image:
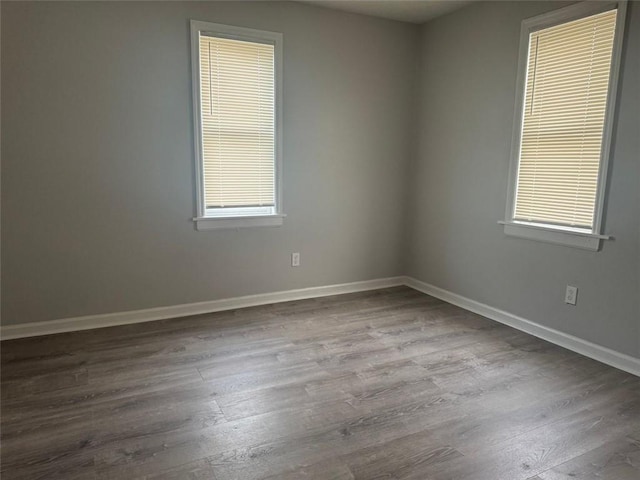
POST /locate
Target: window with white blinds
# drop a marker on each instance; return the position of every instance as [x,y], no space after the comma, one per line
[238,136]
[237,120]
[564,110]
[568,77]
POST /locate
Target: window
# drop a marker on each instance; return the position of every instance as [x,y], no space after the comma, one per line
[566,93]
[237,95]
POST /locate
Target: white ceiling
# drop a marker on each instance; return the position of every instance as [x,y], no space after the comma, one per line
[414,11]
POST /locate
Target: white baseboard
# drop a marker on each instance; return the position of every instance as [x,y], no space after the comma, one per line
[597,352]
[88,322]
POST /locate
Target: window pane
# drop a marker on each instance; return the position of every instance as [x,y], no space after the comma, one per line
[564,110]
[237,94]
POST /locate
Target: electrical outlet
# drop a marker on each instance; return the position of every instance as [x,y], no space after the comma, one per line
[571,295]
[295,259]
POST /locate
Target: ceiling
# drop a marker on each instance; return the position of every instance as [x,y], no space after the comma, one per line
[414,11]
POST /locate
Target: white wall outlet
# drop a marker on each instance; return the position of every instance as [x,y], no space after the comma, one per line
[295,259]
[571,295]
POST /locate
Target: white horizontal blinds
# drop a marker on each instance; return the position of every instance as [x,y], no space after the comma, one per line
[563,119]
[237,94]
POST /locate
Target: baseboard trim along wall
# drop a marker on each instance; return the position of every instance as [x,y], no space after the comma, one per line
[89,322]
[597,352]
[602,354]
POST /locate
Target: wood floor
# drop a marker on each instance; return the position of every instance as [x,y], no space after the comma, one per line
[390,384]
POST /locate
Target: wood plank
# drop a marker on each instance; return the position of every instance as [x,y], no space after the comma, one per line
[617,459]
[197,470]
[410,457]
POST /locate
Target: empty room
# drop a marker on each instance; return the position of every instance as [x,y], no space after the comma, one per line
[332,240]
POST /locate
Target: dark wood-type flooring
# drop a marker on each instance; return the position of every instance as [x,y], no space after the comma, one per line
[389,384]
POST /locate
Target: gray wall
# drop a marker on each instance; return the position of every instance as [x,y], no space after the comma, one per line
[97,156]
[469,60]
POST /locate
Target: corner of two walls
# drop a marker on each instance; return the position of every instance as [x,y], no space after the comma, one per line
[458,182]
[410,206]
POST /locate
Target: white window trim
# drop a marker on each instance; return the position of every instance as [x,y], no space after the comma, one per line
[585,239]
[207,218]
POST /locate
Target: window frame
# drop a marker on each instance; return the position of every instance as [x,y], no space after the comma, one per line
[550,233]
[239,217]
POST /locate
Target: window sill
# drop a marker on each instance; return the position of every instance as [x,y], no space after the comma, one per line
[558,236]
[218,223]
